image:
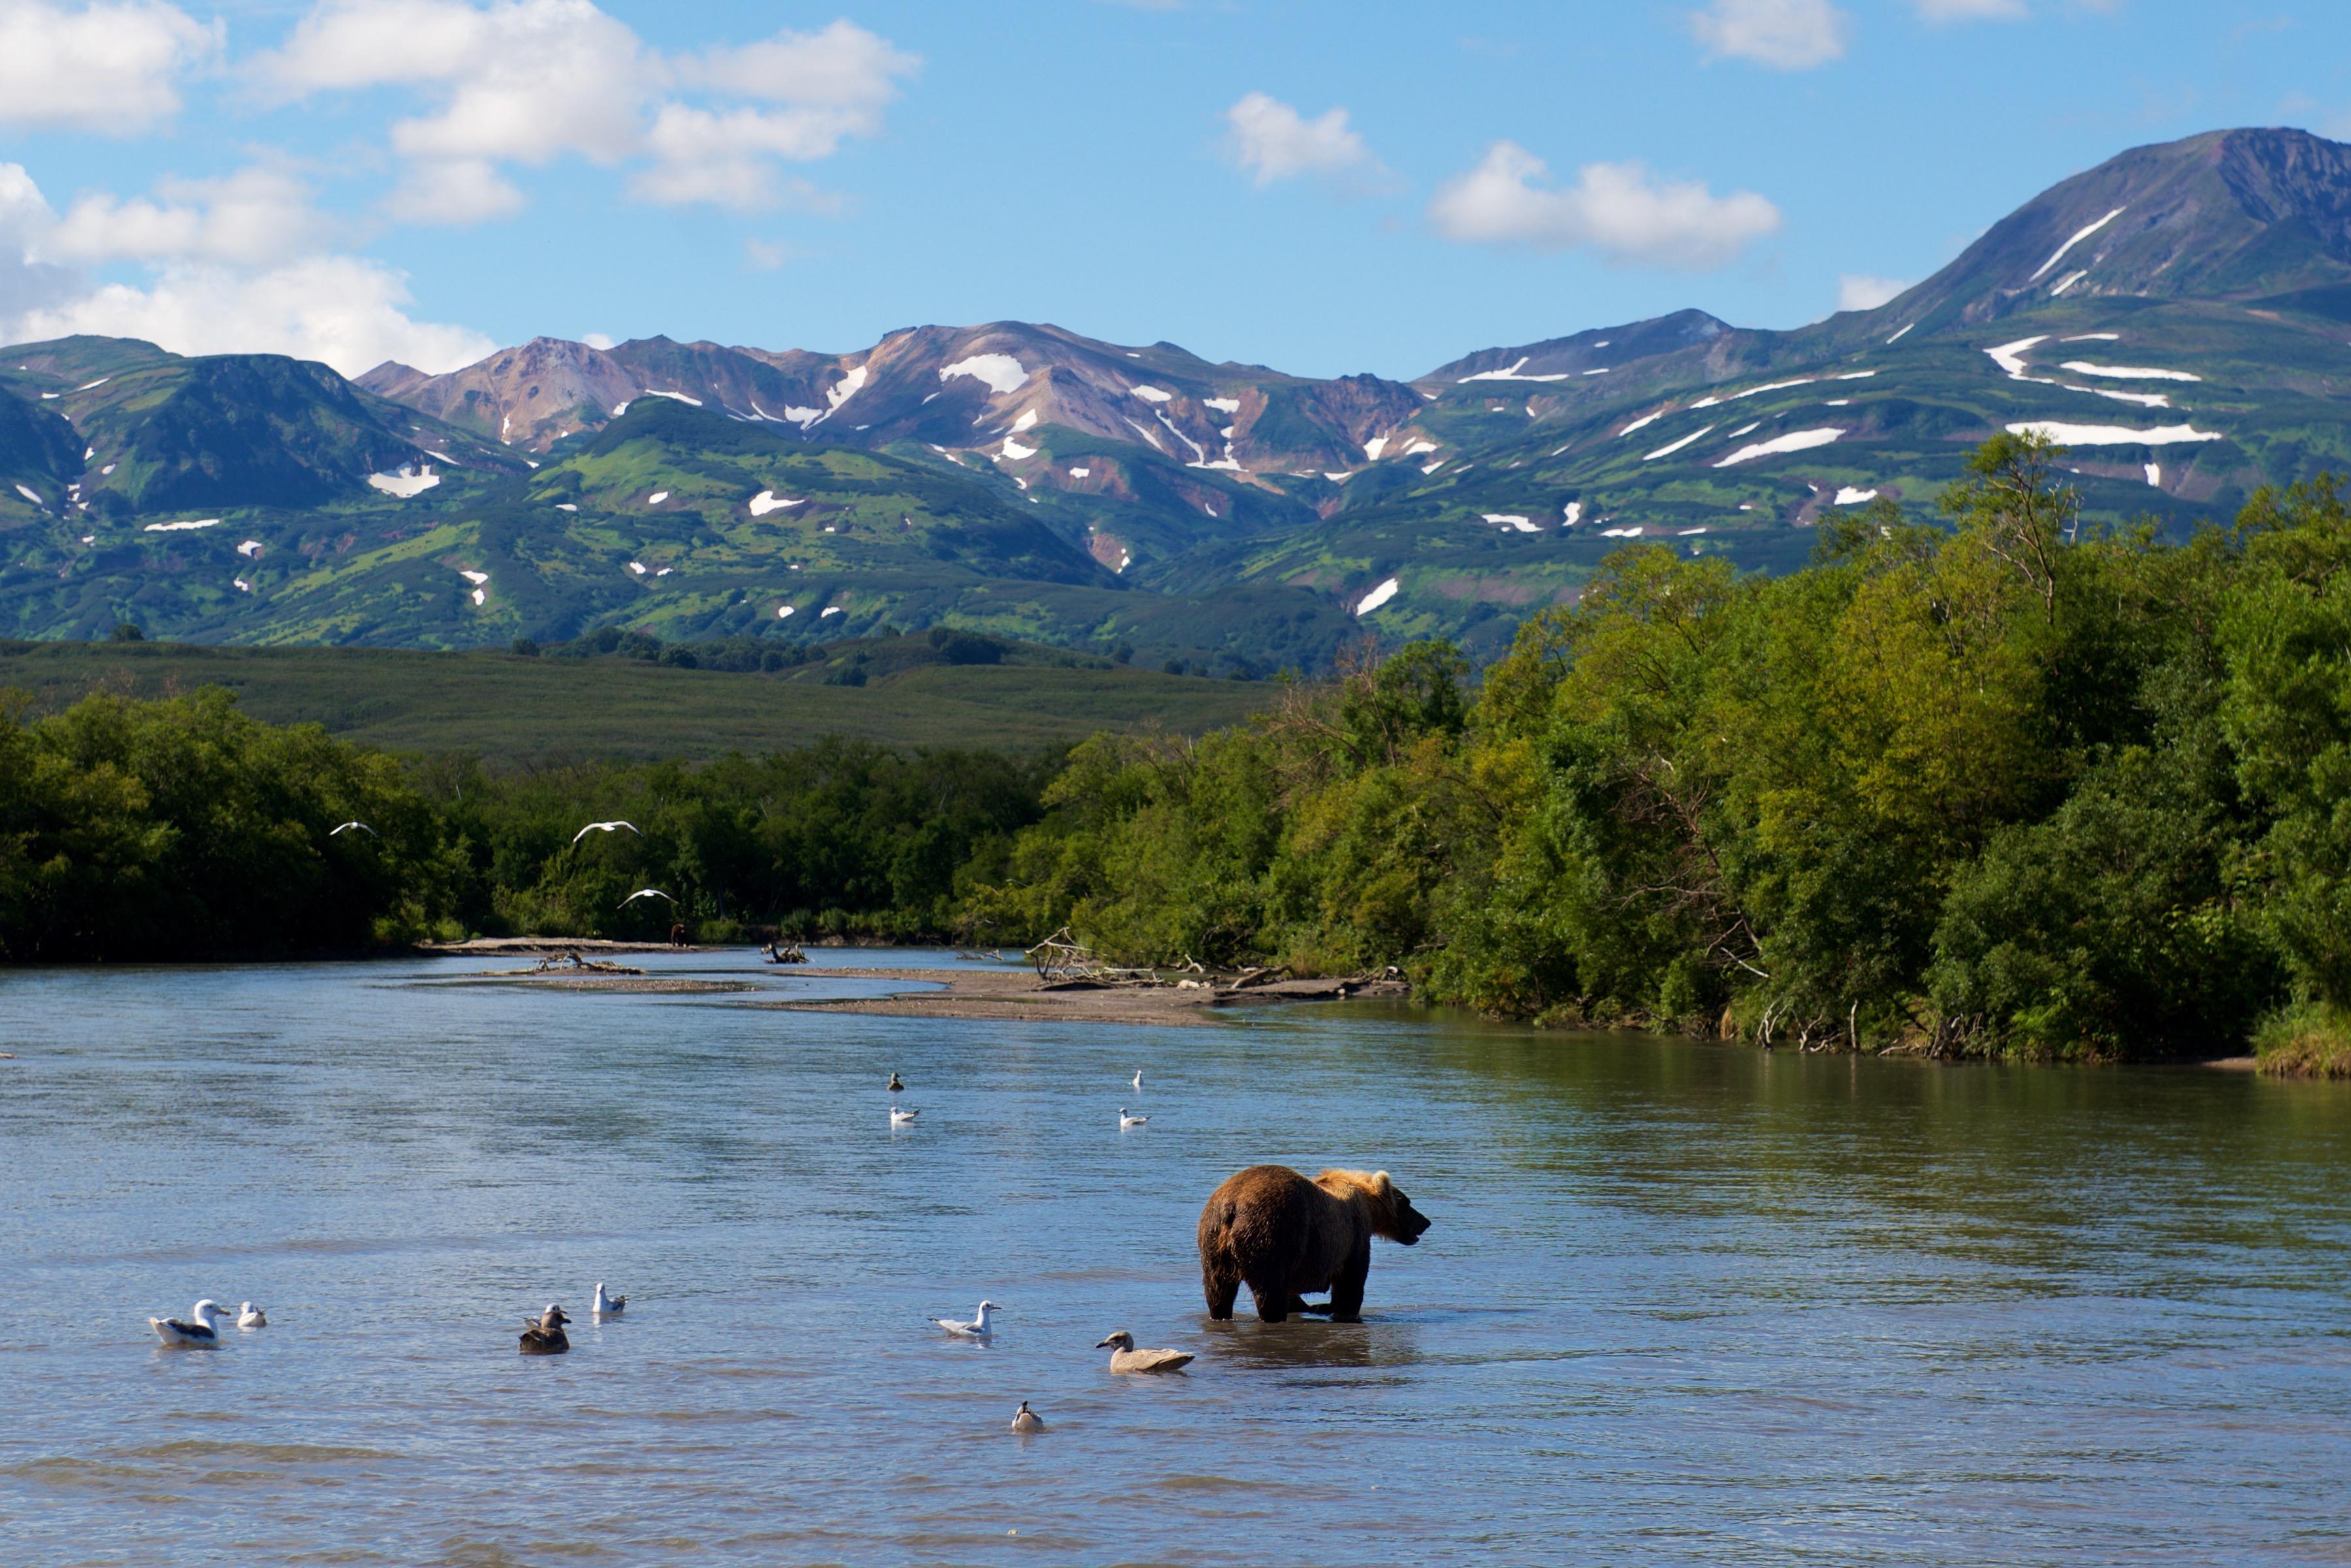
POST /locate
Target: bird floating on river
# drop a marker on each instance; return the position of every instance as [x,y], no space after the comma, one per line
[978,1328]
[1025,1420]
[249,1316]
[199,1333]
[1125,1121]
[545,1337]
[607,1306]
[1125,1357]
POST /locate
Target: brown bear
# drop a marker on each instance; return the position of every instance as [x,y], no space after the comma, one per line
[1271,1229]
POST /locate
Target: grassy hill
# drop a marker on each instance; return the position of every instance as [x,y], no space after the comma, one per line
[509,708]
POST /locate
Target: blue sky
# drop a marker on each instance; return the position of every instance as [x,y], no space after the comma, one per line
[1325,188]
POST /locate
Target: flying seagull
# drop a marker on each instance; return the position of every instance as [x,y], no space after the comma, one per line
[604,828]
[643,893]
[363,826]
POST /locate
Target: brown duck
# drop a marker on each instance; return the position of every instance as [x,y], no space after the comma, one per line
[545,1337]
[1125,1357]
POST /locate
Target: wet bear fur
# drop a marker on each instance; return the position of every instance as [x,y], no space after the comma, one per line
[1271,1229]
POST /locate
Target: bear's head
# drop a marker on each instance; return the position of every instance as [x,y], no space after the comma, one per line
[1391,1212]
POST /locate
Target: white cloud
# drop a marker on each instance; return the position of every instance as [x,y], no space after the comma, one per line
[218,282]
[840,67]
[110,66]
[1273,140]
[253,217]
[1786,34]
[1970,10]
[1860,291]
[528,81]
[453,190]
[345,310]
[1616,209]
[597,340]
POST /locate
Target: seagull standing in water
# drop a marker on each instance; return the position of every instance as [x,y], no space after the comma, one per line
[201,1333]
[978,1328]
[249,1316]
[1125,1121]
[607,1306]
[613,826]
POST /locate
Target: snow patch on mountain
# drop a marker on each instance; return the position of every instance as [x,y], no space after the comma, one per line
[1003,374]
[2111,434]
[1795,441]
[1375,597]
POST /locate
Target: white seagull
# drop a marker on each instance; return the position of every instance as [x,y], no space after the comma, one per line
[978,1328]
[607,1306]
[1125,1121]
[643,893]
[249,1316]
[363,826]
[172,1332]
[1025,1420]
[604,828]
[900,1118]
[1138,1079]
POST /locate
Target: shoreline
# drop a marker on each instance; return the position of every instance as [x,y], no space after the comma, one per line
[1020,996]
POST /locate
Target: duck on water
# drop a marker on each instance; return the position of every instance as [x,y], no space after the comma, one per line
[545,1337]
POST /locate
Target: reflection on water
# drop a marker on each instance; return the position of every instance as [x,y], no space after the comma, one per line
[1679,1303]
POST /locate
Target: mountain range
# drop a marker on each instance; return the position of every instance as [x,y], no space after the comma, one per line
[2176,317]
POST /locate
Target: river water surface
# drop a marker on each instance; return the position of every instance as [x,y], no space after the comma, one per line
[1680,1303]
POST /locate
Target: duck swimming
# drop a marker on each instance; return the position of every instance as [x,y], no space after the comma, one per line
[249,1316]
[1125,1357]
[201,1333]
[1025,1420]
[978,1328]
[545,1337]
[607,1306]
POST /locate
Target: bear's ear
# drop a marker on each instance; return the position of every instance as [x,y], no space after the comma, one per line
[1381,1184]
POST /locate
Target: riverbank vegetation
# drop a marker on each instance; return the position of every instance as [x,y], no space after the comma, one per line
[1990,784]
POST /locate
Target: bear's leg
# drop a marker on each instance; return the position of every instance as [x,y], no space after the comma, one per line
[1347,1285]
[1273,1298]
[1220,1287]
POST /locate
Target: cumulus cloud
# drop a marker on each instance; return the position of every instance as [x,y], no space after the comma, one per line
[253,217]
[110,66]
[343,310]
[453,190]
[1271,142]
[1860,291]
[1617,209]
[1786,34]
[223,273]
[528,81]
[1970,10]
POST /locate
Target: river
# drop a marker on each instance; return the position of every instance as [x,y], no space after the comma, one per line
[1681,1303]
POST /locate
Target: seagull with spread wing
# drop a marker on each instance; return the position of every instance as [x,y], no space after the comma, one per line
[363,826]
[613,826]
[643,893]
